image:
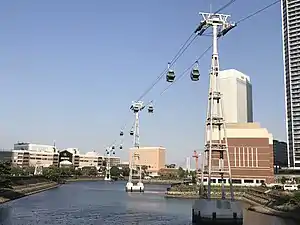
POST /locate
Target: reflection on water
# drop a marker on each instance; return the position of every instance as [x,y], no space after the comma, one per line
[5,212]
[100,203]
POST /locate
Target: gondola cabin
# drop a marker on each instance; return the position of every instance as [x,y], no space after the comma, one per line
[135,109]
[150,109]
[195,74]
[170,77]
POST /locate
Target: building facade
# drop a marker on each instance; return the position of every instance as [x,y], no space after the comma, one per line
[250,153]
[280,153]
[152,157]
[69,157]
[236,90]
[31,155]
[73,157]
[291,54]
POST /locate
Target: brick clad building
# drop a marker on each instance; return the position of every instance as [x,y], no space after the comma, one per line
[250,152]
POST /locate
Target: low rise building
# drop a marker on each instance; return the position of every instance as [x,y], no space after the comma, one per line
[31,155]
[250,152]
[151,157]
[89,159]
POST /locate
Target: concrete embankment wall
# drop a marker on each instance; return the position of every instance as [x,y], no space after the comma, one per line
[25,190]
[258,202]
[195,194]
[154,181]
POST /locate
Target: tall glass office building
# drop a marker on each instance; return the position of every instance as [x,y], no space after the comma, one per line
[291,53]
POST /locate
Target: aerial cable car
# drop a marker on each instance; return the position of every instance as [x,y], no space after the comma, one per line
[150,108]
[170,77]
[121,133]
[195,74]
[131,132]
[121,147]
[113,147]
[135,108]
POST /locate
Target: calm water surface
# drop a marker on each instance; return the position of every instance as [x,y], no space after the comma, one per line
[89,203]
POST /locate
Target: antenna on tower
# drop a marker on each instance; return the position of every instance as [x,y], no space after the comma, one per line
[216,138]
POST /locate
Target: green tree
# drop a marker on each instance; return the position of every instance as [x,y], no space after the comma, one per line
[89,171]
[52,173]
[77,172]
[115,171]
[5,173]
[93,171]
[194,180]
[125,171]
[16,171]
[181,172]
[283,180]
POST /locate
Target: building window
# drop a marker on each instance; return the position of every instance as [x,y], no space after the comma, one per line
[235,156]
[252,157]
[248,157]
[244,164]
[220,181]
[256,157]
[248,181]
[236,181]
[239,157]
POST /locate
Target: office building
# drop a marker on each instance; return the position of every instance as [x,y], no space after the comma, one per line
[152,157]
[236,90]
[291,54]
[31,155]
[280,153]
[72,157]
[250,153]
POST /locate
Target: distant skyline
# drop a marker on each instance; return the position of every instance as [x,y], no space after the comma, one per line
[69,71]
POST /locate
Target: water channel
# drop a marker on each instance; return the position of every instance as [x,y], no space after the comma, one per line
[97,203]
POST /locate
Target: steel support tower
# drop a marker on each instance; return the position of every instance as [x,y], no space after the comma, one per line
[109,150]
[216,146]
[136,107]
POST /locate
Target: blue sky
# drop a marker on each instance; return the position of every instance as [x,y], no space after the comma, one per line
[70,69]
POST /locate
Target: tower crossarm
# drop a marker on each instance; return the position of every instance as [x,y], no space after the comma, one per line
[215,121]
[216,147]
[216,95]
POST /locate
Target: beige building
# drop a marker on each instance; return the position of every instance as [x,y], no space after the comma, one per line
[152,157]
[73,157]
[31,155]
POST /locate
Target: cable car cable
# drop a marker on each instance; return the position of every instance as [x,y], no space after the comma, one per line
[177,56]
[258,11]
[183,73]
[241,20]
[180,53]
